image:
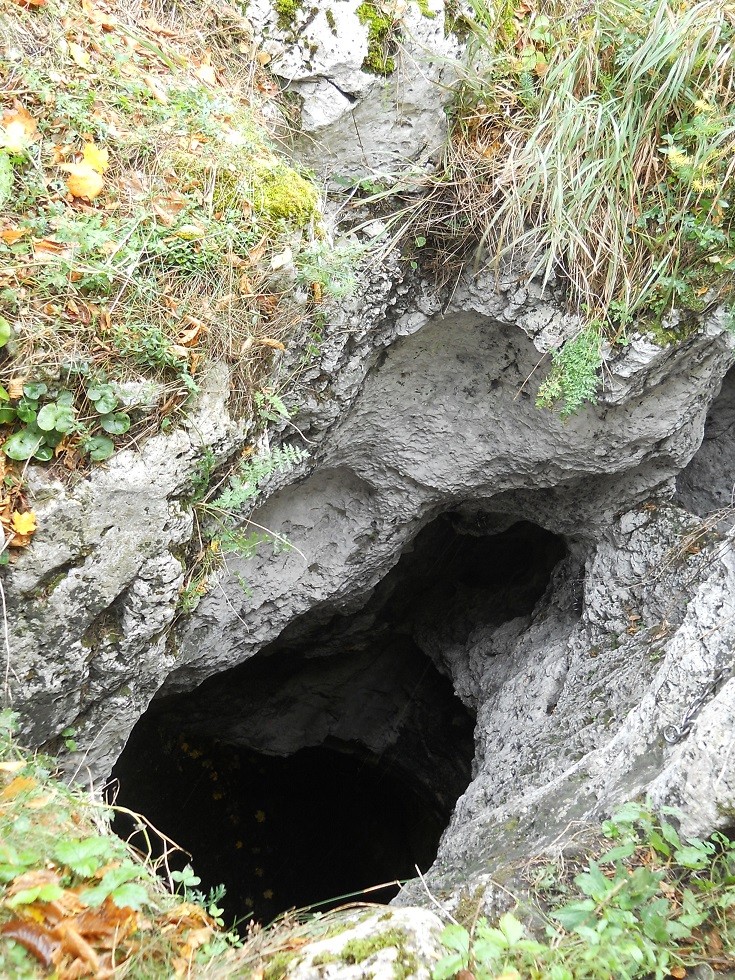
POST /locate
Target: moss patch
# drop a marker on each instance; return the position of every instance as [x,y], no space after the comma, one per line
[358,950]
[383,34]
[283,194]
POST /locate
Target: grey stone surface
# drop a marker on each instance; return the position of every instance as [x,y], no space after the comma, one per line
[352,123]
[414,412]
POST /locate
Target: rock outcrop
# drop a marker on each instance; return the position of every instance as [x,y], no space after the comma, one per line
[614,679]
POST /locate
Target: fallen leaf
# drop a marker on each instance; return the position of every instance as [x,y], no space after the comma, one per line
[30,3]
[15,387]
[206,73]
[283,259]
[36,938]
[187,338]
[79,55]
[83,180]
[97,157]
[105,21]
[24,523]
[18,129]
[270,342]
[156,89]
[21,784]
[12,235]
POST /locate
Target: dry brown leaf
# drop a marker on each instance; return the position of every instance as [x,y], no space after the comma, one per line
[105,21]
[245,286]
[15,387]
[32,936]
[32,879]
[270,342]
[155,87]
[83,180]
[73,943]
[187,338]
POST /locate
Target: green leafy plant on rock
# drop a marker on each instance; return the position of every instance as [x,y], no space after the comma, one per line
[651,905]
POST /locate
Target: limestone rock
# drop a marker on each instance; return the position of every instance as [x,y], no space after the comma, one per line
[352,122]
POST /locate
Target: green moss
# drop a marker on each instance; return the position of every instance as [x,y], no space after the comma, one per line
[425,9]
[358,950]
[382,39]
[287,11]
[331,22]
[277,966]
[670,336]
[324,959]
[280,193]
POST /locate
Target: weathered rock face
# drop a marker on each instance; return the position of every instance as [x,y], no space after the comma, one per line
[351,120]
[578,656]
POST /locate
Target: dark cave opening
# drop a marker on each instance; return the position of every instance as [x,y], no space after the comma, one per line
[331,762]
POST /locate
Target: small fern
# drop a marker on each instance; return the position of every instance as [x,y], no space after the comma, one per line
[574,377]
[245,484]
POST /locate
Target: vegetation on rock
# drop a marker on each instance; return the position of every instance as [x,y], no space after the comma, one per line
[595,144]
[144,210]
[654,904]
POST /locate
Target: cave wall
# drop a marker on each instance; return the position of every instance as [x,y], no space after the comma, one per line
[413,413]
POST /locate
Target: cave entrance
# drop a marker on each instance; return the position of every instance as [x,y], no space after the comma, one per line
[331,762]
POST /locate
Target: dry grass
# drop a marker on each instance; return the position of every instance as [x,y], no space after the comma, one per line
[171,265]
[598,142]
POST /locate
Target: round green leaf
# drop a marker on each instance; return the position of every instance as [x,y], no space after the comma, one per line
[106,403]
[64,420]
[7,415]
[65,398]
[4,396]
[46,418]
[116,424]
[23,444]
[99,448]
[53,438]
[6,331]
[97,391]
[27,410]
[34,390]
[44,453]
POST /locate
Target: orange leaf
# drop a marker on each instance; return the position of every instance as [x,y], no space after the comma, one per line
[21,784]
[83,180]
[11,235]
[270,342]
[97,157]
[37,939]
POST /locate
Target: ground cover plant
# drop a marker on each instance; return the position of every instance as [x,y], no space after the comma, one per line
[649,903]
[75,901]
[148,226]
[595,143]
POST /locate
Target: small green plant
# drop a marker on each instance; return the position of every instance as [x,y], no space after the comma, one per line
[643,908]
[383,34]
[224,527]
[43,416]
[332,267]
[575,373]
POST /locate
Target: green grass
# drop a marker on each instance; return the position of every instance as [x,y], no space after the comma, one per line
[596,145]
